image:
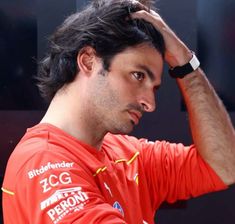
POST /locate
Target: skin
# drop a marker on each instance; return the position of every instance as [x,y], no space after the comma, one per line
[100,101]
[211,127]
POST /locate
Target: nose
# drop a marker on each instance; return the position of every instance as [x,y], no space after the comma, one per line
[148,102]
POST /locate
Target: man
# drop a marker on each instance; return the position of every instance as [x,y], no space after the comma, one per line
[100,76]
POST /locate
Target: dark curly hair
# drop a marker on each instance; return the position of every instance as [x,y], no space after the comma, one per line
[106,26]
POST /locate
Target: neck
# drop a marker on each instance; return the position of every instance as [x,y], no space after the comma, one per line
[75,121]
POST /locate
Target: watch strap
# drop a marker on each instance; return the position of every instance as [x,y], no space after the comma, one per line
[181,71]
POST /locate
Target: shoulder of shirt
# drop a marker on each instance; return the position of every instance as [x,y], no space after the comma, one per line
[122,145]
[127,140]
[34,147]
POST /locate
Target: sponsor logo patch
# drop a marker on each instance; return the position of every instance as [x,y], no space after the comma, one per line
[49,166]
[118,207]
[64,202]
[54,180]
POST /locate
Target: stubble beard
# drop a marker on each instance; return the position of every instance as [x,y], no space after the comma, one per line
[109,103]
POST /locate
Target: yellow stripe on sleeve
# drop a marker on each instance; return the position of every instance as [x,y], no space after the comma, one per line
[133,158]
[100,170]
[7,191]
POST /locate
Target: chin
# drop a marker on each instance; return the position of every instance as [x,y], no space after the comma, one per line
[124,129]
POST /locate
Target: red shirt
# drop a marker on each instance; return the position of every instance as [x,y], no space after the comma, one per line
[52,177]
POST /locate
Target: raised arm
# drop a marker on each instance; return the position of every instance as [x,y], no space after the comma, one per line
[211,127]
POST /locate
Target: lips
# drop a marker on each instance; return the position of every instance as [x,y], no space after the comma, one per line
[135,116]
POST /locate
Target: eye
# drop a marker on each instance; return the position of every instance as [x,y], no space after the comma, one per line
[138,76]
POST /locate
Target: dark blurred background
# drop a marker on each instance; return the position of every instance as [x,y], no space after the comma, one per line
[207,27]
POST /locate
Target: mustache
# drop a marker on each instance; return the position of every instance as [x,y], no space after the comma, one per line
[136,107]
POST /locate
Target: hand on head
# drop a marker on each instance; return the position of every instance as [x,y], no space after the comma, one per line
[176,52]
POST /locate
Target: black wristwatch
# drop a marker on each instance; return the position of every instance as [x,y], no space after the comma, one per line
[181,71]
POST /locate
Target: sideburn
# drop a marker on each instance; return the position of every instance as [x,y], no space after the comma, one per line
[103,72]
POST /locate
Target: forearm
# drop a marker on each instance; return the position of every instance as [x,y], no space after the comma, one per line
[212,130]
[211,127]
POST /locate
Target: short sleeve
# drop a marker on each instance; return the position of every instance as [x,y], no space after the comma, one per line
[59,190]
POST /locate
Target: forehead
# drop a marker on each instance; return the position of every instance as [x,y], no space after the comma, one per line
[140,56]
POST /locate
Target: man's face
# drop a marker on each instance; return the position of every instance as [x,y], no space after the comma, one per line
[120,96]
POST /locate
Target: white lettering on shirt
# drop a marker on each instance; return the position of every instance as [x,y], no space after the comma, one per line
[66,201]
[54,180]
[36,172]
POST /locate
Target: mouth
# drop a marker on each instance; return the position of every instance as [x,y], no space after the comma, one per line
[135,116]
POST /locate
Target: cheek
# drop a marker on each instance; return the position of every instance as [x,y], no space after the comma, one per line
[121,94]
[124,88]
[107,97]
[113,92]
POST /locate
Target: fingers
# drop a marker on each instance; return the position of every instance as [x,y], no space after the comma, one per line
[175,48]
[139,14]
[151,17]
[143,7]
[144,14]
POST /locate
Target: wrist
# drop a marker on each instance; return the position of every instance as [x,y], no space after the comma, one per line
[181,56]
[181,71]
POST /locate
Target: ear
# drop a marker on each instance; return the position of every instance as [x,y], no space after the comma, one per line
[86,59]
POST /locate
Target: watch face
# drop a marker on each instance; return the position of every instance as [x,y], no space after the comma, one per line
[194,62]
